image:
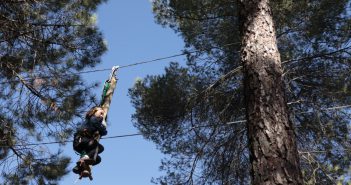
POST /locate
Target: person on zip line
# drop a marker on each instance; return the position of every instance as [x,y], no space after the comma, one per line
[87,136]
[86,141]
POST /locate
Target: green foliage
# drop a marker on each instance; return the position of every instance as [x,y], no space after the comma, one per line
[45,171]
[43,44]
[168,95]
[192,126]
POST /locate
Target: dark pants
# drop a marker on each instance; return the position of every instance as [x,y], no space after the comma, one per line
[82,144]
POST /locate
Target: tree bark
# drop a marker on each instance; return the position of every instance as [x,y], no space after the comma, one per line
[273,152]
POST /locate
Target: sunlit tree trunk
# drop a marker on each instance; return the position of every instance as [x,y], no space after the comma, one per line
[274,157]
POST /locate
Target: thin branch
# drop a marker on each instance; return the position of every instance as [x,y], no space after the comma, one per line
[190,178]
[319,151]
[16,153]
[45,100]
[203,19]
[207,91]
[223,79]
[316,56]
[328,108]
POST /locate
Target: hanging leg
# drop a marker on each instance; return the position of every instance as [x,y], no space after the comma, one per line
[97,148]
[85,163]
[86,171]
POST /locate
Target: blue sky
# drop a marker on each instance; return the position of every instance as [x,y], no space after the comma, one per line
[132,36]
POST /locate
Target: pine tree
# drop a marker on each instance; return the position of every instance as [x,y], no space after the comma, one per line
[273,152]
[43,47]
[196,114]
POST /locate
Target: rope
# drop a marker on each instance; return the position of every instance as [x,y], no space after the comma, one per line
[110,137]
[68,141]
[129,65]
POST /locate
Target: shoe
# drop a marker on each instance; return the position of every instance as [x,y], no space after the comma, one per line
[85,173]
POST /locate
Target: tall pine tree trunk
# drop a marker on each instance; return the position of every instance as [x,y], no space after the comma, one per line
[274,157]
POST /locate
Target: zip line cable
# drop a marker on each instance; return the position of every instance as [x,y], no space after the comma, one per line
[138,134]
[69,141]
[130,65]
[109,137]
[163,58]
[99,70]
[132,135]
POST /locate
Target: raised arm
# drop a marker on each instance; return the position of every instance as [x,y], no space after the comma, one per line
[107,93]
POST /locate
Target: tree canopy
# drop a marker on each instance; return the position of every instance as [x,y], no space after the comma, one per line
[43,47]
[196,115]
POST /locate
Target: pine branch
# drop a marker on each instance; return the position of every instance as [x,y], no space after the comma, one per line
[317,55]
[45,100]
[207,91]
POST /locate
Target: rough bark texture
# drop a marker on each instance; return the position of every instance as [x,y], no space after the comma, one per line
[274,155]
